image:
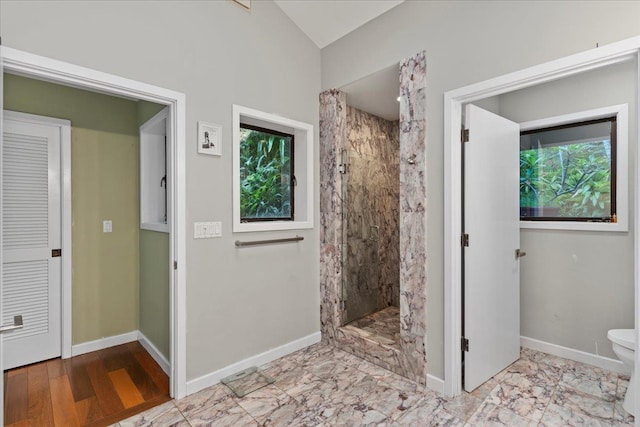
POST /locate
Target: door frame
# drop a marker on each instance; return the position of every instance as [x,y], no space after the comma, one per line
[43,68]
[614,53]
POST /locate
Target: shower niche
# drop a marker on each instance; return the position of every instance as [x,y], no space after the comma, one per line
[372,208]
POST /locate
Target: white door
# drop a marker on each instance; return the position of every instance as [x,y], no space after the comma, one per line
[491,268]
[31,233]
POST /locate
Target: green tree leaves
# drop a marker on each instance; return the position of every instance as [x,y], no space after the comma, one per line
[265,175]
[571,180]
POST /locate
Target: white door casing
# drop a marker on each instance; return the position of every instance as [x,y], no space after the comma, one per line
[31,212]
[491,268]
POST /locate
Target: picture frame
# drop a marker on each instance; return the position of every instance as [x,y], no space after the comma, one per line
[209,139]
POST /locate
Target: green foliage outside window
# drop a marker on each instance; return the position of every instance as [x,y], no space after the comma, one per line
[265,175]
[571,180]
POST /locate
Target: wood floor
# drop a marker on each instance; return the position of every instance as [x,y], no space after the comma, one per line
[94,389]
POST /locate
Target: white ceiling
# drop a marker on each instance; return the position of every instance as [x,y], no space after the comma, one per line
[377,93]
[325,21]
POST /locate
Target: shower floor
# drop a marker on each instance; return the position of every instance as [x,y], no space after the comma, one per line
[382,326]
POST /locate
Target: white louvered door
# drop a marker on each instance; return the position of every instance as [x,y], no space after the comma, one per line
[31,276]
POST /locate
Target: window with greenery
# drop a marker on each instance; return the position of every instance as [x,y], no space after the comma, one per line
[568,172]
[266,175]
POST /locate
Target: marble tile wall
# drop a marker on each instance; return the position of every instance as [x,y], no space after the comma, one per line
[410,359]
[371,202]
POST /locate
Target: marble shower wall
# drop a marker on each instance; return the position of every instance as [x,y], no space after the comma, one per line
[409,359]
[371,186]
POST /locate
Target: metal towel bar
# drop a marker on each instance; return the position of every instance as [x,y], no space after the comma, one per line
[268,242]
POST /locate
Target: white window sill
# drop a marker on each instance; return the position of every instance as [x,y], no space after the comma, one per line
[572,226]
[155,226]
[244,227]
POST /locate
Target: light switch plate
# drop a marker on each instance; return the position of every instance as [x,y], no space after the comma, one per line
[107,226]
[207,230]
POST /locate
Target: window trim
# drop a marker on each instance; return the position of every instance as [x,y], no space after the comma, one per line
[304,168]
[620,162]
[292,177]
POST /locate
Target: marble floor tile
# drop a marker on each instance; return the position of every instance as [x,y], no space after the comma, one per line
[560,416]
[485,389]
[524,398]
[603,387]
[426,413]
[214,406]
[620,416]
[489,414]
[591,380]
[388,400]
[549,359]
[580,404]
[325,386]
[260,403]
[621,389]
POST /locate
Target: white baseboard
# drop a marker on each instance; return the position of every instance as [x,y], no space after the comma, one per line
[155,353]
[102,343]
[435,383]
[214,378]
[575,355]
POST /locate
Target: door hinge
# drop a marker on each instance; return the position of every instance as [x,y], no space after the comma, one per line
[464,135]
[464,240]
[175,265]
[342,168]
[56,253]
[464,344]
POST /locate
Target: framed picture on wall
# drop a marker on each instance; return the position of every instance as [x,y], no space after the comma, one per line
[209,137]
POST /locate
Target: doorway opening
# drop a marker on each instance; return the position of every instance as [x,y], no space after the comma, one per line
[571,66]
[41,68]
[117,291]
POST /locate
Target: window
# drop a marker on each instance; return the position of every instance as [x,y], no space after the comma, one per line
[568,172]
[266,174]
[573,171]
[273,189]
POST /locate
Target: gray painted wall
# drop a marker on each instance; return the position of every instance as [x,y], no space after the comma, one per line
[240,302]
[467,42]
[576,285]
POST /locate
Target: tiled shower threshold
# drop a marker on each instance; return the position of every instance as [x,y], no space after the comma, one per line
[382,327]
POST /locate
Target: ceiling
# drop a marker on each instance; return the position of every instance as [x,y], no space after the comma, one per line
[325,21]
[377,93]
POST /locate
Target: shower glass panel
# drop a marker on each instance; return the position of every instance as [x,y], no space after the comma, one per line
[361,239]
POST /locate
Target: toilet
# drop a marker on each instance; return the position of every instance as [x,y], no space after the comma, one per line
[624,344]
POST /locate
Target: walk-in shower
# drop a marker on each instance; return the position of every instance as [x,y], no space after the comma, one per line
[370,224]
[373,217]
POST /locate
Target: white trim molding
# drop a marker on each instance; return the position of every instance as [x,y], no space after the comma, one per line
[154,353]
[214,378]
[303,169]
[592,59]
[102,343]
[27,64]
[435,383]
[607,363]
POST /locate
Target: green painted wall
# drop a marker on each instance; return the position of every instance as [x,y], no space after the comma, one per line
[104,180]
[154,270]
